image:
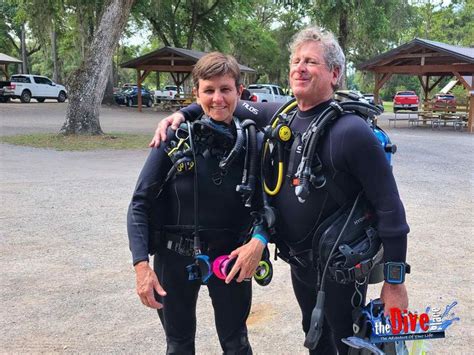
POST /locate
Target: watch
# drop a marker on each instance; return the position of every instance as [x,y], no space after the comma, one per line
[394,272]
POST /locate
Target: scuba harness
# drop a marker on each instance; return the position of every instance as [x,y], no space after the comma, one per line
[347,243]
[207,138]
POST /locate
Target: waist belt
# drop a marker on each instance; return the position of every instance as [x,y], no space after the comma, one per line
[182,241]
[182,245]
[360,272]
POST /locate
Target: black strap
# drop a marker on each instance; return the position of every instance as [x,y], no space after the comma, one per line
[291,161]
[335,191]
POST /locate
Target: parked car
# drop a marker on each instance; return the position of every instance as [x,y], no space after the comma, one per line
[405,100]
[129,97]
[444,102]
[26,86]
[4,98]
[168,92]
[371,99]
[268,93]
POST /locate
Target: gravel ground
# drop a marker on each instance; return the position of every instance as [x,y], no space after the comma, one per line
[67,282]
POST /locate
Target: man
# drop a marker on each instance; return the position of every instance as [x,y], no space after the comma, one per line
[354,160]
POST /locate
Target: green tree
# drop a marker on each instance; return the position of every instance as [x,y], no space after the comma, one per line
[182,23]
[444,22]
[17,33]
[363,28]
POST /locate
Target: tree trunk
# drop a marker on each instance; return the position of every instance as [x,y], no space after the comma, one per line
[54,55]
[24,56]
[109,88]
[88,84]
[343,34]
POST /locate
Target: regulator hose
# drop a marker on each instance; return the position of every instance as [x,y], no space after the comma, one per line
[285,109]
[239,143]
[249,178]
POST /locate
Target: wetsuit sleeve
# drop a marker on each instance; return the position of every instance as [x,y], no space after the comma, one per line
[365,159]
[139,217]
[261,112]
[191,112]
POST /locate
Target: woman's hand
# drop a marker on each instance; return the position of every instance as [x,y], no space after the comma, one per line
[147,282]
[248,256]
[173,120]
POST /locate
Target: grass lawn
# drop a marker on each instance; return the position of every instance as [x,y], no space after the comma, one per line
[80,143]
[388,106]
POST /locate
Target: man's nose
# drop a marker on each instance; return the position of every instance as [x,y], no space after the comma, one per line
[301,66]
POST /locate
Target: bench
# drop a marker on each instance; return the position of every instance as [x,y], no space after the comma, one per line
[412,116]
[175,104]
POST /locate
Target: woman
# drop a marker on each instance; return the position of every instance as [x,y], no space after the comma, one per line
[187,192]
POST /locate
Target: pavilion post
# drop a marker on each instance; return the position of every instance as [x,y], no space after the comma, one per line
[139,92]
[380,80]
[470,119]
[470,91]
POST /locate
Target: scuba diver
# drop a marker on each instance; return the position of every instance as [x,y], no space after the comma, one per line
[192,208]
[329,165]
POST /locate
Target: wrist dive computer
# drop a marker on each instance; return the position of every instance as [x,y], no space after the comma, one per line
[394,272]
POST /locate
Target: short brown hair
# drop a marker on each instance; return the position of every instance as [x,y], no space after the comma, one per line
[216,64]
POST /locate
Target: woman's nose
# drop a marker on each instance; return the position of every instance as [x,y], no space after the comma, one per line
[217,97]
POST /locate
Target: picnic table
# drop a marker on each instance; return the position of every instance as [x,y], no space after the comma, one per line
[175,104]
[439,119]
[403,116]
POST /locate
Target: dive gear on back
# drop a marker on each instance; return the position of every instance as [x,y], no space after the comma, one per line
[307,172]
[357,251]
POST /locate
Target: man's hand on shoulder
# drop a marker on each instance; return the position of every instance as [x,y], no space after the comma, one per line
[173,120]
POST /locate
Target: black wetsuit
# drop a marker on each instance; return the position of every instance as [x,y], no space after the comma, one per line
[352,156]
[223,222]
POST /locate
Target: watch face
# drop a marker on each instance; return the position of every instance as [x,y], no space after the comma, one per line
[395,272]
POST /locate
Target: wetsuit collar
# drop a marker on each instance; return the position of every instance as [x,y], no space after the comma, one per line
[315,111]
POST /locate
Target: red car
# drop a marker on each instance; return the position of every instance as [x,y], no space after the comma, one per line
[405,100]
[444,102]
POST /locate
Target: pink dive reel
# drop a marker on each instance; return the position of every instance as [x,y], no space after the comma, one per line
[222,265]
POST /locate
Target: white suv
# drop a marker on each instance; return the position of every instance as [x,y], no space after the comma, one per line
[25,87]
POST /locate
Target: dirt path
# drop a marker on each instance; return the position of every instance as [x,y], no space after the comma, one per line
[67,282]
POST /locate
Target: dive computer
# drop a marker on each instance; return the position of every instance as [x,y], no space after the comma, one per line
[394,272]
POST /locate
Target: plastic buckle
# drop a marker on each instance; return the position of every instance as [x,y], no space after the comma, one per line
[185,247]
[340,276]
[193,272]
[362,269]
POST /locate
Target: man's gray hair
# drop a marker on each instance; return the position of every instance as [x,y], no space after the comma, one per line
[333,54]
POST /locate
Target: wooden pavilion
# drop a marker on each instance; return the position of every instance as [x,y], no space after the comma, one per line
[4,61]
[426,59]
[179,62]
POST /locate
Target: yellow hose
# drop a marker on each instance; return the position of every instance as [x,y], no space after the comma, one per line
[277,188]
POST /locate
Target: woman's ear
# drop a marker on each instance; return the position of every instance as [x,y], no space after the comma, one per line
[240,88]
[196,94]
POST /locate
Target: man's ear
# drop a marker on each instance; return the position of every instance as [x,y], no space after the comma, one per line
[196,94]
[336,72]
